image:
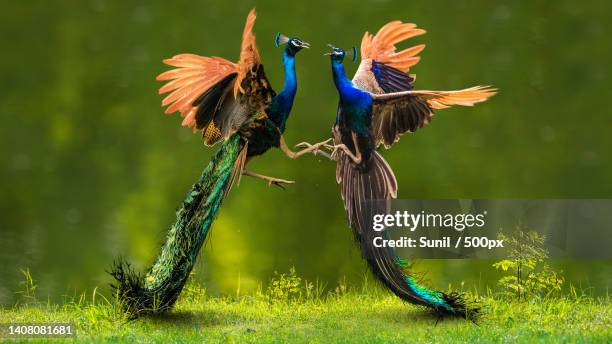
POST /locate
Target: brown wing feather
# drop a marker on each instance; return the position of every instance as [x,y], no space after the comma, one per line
[249,55]
[397,113]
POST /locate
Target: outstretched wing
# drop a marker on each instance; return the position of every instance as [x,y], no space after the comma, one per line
[193,76]
[216,96]
[397,113]
[397,108]
[382,68]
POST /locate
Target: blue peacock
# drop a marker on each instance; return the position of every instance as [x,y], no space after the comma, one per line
[377,106]
[231,103]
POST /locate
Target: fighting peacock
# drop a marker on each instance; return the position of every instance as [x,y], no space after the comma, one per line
[231,103]
[377,106]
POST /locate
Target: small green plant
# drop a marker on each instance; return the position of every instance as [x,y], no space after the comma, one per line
[28,288]
[285,287]
[342,288]
[530,275]
[193,292]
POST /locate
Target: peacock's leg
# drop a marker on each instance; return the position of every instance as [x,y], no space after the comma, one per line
[315,149]
[355,157]
[271,180]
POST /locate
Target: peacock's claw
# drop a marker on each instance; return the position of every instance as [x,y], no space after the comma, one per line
[279,182]
[315,148]
[342,147]
[271,180]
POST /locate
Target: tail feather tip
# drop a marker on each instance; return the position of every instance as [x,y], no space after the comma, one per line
[457,305]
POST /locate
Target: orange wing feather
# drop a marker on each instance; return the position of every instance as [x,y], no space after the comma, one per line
[195,74]
[249,55]
[465,97]
[381,47]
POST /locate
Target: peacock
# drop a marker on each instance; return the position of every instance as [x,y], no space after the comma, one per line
[376,107]
[231,103]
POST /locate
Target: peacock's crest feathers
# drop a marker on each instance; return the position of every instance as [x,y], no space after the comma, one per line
[351,54]
[280,39]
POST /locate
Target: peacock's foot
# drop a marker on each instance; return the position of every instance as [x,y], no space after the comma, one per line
[271,180]
[279,182]
[342,147]
[316,148]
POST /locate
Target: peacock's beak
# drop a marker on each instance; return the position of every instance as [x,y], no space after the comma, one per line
[306,45]
[331,52]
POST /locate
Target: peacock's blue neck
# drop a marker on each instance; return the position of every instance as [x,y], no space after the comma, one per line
[290,80]
[355,104]
[281,104]
[343,83]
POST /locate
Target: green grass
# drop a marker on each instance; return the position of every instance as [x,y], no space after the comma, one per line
[289,315]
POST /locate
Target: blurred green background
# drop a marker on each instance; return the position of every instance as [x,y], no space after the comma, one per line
[92,169]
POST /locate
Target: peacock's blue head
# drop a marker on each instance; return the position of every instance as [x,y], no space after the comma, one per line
[337,55]
[293,44]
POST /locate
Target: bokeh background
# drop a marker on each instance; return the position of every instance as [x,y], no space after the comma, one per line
[91,168]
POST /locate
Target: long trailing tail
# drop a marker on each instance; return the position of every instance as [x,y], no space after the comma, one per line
[365,192]
[159,289]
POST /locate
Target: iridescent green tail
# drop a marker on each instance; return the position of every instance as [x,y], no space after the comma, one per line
[366,192]
[159,289]
[394,273]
